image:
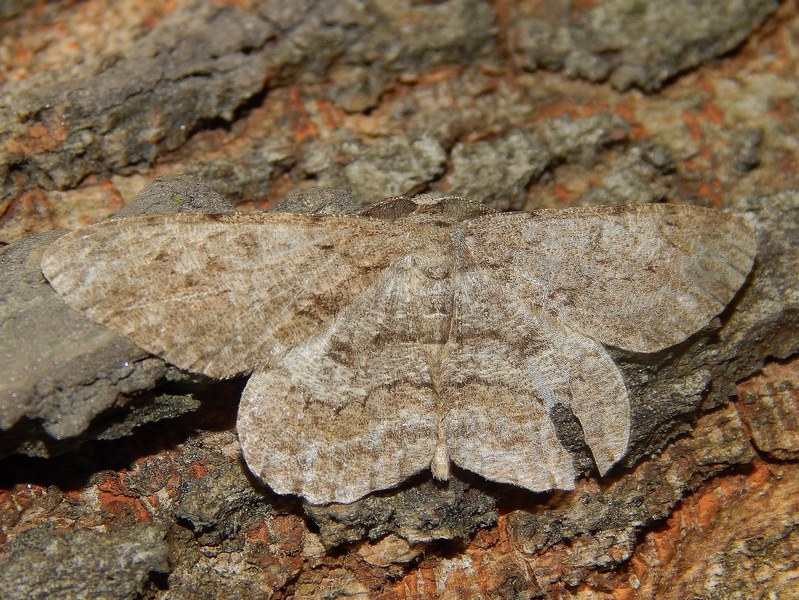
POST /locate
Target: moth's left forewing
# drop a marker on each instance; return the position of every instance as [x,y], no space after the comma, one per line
[640,277]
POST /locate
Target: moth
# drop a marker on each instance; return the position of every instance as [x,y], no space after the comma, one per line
[416,334]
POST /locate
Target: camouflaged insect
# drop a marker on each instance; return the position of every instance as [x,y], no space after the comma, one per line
[418,333]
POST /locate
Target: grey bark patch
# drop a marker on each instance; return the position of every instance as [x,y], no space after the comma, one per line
[45,563]
[391,166]
[641,44]
[392,38]
[200,62]
[635,178]
[423,513]
[772,414]
[499,170]
[216,506]
[248,172]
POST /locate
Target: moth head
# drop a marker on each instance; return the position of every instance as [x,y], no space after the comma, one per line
[451,208]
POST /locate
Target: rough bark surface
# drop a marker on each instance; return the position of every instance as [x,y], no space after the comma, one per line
[519,105]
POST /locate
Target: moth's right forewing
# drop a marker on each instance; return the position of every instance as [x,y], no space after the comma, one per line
[218,294]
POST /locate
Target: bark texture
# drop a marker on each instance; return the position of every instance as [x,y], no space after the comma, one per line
[519,105]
